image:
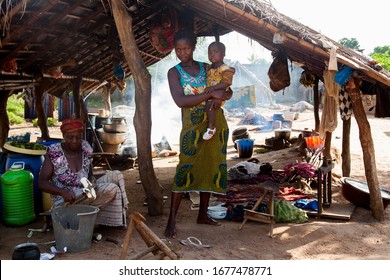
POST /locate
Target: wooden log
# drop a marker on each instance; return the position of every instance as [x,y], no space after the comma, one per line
[317,102]
[328,145]
[346,148]
[376,203]
[4,124]
[142,117]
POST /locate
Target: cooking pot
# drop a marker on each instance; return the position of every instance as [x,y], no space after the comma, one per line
[118,120]
[308,133]
[115,128]
[111,138]
[282,133]
[26,251]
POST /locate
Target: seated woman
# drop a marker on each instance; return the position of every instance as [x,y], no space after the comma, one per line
[64,166]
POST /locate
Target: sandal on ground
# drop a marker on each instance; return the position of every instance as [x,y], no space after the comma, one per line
[193,241]
[209,133]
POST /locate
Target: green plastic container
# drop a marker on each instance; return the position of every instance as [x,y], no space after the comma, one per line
[17,196]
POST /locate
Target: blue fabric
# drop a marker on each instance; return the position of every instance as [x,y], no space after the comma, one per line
[119,72]
[343,75]
[307,204]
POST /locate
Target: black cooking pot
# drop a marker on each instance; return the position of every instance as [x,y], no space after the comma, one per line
[239,133]
[26,251]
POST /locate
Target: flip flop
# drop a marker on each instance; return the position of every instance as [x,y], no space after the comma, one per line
[193,241]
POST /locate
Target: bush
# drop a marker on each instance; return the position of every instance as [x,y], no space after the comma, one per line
[14,118]
[50,122]
[15,109]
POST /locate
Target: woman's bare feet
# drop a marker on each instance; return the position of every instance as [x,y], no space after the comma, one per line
[170,231]
[208,221]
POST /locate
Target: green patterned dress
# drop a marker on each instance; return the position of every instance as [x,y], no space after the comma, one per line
[202,164]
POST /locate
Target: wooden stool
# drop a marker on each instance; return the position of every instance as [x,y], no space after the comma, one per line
[269,190]
[159,248]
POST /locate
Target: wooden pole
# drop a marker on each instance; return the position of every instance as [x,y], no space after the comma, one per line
[346,148]
[376,203]
[316,104]
[142,117]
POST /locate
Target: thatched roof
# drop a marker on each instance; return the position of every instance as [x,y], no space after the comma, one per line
[81,36]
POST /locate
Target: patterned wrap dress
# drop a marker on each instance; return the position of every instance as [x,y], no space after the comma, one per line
[202,164]
[110,188]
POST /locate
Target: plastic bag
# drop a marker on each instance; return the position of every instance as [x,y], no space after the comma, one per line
[285,212]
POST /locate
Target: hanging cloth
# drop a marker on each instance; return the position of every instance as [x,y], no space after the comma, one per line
[330,85]
[329,115]
[345,105]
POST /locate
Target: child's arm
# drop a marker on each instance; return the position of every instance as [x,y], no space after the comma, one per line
[221,85]
[227,80]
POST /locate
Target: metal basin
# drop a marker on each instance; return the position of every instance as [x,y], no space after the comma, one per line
[111,138]
[115,128]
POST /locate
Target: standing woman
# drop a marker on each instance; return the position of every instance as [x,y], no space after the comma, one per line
[202,164]
[67,163]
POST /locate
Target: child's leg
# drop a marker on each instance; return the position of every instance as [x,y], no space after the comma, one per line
[210,112]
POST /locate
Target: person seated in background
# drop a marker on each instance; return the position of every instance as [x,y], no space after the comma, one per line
[62,172]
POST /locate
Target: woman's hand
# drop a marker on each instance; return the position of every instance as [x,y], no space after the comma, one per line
[222,94]
[68,196]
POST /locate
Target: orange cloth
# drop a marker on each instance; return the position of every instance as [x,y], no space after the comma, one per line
[72,125]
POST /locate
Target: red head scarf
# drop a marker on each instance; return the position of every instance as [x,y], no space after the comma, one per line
[72,125]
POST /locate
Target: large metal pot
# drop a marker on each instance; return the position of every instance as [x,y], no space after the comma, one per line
[118,120]
[111,138]
[282,133]
[108,148]
[115,128]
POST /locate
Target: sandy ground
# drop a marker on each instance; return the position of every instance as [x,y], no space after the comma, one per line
[361,237]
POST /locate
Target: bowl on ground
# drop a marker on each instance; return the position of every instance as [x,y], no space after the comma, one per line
[217,212]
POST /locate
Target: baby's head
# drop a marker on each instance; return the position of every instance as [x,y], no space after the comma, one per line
[216,52]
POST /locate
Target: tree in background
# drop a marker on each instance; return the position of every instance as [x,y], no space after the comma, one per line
[382,55]
[255,59]
[351,43]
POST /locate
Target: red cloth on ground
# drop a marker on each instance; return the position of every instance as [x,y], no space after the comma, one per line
[291,194]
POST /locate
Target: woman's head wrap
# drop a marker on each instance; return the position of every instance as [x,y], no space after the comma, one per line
[72,125]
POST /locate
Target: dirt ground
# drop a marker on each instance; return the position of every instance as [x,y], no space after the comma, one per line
[360,238]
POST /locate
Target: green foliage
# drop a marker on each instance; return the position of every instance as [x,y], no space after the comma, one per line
[255,59]
[14,118]
[15,110]
[382,55]
[351,43]
[50,122]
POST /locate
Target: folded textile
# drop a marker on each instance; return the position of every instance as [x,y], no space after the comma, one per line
[343,75]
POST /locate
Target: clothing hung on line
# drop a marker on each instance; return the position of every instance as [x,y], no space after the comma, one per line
[202,164]
[110,188]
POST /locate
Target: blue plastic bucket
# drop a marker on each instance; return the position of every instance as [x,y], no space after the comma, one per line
[33,164]
[245,147]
